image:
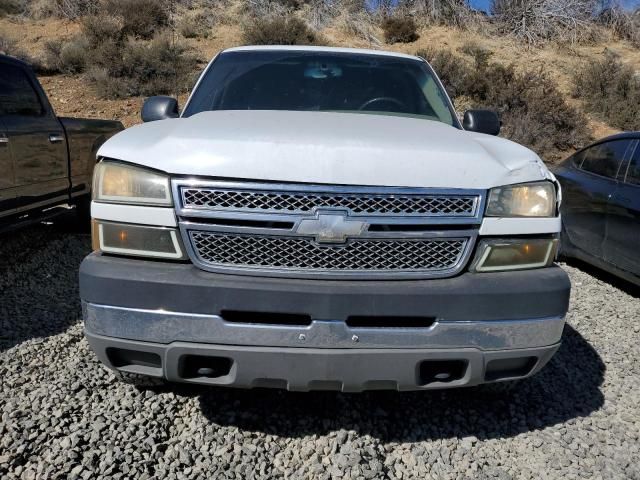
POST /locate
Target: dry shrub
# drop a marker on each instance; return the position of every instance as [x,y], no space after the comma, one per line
[71,9]
[140,18]
[623,23]
[454,13]
[320,13]
[400,29]
[40,9]
[351,6]
[195,25]
[292,4]
[360,24]
[67,57]
[264,8]
[531,107]
[11,7]
[287,30]
[99,29]
[145,68]
[118,59]
[610,90]
[536,21]
[8,46]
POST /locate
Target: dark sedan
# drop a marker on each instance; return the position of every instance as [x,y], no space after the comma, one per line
[601,205]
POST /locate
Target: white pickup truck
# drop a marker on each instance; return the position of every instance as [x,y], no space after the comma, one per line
[319,219]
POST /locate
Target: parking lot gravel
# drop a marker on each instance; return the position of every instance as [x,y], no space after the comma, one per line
[63,416]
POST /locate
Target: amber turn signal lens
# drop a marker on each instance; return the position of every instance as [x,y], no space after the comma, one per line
[496,255]
[95,240]
[137,240]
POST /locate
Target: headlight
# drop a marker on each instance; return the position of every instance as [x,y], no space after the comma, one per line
[121,183]
[496,255]
[523,200]
[138,240]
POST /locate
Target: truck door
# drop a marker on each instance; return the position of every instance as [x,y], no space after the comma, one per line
[6,175]
[36,140]
[623,221]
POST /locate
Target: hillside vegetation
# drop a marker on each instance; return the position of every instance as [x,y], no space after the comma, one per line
[558,74]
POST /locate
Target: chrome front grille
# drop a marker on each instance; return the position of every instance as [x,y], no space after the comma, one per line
[324,231]
[305,202]
[303,254]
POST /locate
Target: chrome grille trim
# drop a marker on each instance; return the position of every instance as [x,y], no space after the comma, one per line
[303,254]
[293,202]
[202,199]
[287,242]
[376,256]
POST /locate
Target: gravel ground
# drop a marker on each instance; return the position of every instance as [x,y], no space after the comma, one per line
[64,416]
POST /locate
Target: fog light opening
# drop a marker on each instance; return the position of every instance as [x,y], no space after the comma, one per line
[204,367]
[504,368]
[441,371]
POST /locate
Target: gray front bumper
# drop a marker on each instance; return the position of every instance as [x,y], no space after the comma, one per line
[172,312]
[304,369]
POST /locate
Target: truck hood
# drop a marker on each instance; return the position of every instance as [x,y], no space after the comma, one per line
[326,148]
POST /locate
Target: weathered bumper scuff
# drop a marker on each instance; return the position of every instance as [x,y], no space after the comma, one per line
[173,313]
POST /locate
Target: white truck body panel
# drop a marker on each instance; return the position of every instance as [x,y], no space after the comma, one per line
[326,148]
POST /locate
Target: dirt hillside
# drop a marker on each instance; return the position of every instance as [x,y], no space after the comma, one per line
[71,95]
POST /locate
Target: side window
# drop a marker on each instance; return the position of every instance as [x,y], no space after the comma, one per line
[578,158]
[605,159]
[633,174]
[17,95]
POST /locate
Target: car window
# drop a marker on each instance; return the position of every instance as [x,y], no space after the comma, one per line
[321,81]
[633,174]
[17,95]
[579,157]
[604,159]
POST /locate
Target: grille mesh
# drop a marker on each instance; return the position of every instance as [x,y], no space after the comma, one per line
[294,202]
[219,249]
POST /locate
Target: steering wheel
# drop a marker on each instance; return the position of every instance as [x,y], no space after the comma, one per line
[370,102]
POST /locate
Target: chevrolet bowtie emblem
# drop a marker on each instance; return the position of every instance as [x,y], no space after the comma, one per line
[330,227]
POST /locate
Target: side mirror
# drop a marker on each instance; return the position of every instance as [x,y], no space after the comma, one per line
[481,121]
[159,108]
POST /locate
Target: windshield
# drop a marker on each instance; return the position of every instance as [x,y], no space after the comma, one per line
[321,81]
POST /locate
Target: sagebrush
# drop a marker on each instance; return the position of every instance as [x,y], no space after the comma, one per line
[531,107]
[400,30]
[535,21]
[144,69]
[287,30]
[126,49]
[9,46]
[610,90]
[11,7]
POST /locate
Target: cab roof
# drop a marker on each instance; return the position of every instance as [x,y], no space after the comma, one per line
[305,48]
